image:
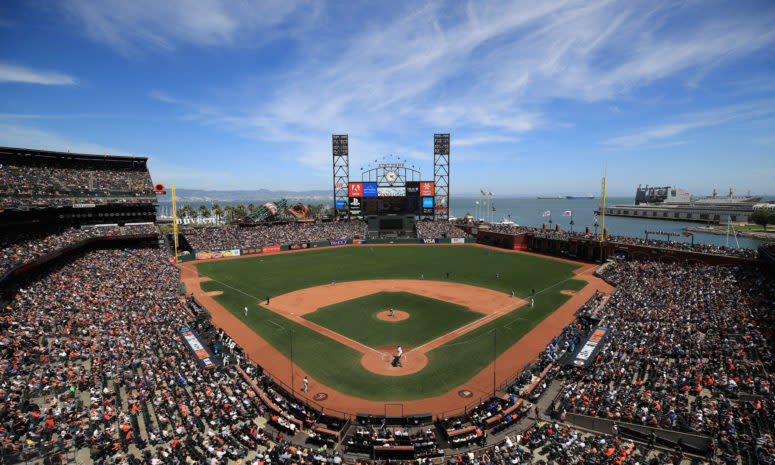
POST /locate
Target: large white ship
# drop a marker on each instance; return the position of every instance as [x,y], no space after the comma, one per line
[675,195]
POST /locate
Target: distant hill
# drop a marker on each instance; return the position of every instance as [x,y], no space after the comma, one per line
[200,195]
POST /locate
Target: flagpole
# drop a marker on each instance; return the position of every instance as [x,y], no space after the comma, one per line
[174,223]
[602,213]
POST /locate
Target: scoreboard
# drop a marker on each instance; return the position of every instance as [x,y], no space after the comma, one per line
[369,198]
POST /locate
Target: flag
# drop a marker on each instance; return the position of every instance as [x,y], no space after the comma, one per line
[688,234]
[567,213]
[490,193]
[547,213]
[595,217]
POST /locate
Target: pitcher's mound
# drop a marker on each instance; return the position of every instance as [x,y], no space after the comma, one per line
[379,361]
[398,315]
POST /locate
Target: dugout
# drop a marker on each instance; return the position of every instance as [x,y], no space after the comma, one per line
[398,225]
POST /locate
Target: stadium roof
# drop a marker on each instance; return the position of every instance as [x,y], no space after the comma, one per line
[68,155]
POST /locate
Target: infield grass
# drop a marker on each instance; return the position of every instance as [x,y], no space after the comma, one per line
[357,319]
[247,280]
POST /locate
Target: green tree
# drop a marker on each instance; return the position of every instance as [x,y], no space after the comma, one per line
[240,211]
[204,212]
[251,207]
[217,211]
[229,212]
[763,217]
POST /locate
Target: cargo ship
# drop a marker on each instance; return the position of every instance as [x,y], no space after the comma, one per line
[578,197]
[556,197]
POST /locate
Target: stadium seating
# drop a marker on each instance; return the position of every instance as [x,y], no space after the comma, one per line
[56,179]
[93,365]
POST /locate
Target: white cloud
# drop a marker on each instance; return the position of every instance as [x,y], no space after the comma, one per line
[150,25]
[691,121]
[15,73]
[493,68]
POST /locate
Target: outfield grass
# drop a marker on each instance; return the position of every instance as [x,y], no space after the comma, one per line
[245,281]
[357,319]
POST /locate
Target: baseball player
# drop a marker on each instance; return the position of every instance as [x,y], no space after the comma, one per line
[246,310]
[306,384]
[392,313]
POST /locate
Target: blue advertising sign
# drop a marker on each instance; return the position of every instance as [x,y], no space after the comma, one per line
[429,241]
[338,242]
[427,202]
[200,351]
[341,204]
[369,189]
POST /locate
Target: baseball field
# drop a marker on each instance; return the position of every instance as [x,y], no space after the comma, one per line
[457,311]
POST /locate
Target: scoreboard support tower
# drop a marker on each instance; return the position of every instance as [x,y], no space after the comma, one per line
[341,164]
[441,175]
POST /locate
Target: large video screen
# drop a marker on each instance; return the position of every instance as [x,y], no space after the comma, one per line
[384,205]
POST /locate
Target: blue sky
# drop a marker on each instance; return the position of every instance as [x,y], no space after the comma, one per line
[537,95]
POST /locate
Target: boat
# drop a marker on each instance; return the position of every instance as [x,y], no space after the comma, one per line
[507,222]
[557,197]
[579,197]
[672,195]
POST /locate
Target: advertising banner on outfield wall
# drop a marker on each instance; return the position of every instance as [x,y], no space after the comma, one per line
[338,242]
[201,352]
[303,245]
[520,246]
[429,241]
[271,248]
[250,251]
[359,241]
[221,254]
[585,353]
[457,240]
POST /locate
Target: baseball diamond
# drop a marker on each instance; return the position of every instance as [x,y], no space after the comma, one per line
[461,323]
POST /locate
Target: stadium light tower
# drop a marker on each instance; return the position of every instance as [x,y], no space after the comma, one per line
[441,175]
[341,164]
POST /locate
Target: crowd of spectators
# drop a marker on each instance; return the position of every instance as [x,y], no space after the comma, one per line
[547,442]
[92,360]
[26,183]
[234,237]
[18,248]
[685,342]
[438,230]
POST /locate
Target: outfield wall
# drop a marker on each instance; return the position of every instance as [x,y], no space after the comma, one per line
[267,249]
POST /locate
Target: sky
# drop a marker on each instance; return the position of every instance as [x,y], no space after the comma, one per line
[538,96]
